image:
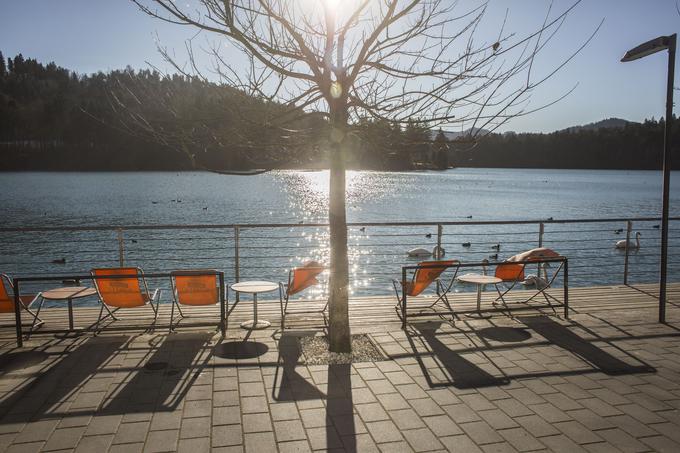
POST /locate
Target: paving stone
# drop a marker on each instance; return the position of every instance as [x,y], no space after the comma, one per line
[289,430]
[461,443]
[497,419]
[103,424]
[661,444]
[226,435]
[36,431]
[284,411]
[550,413]
[131,433]
[442,425]
[196,445]
[481,432]
[96,443]
[325,438]
[371,412]
[64,438]
[426,406]
[406,419]
[384,431]
[561,443]
[461,413]
[393,401]
[422,439]
[29,447]
[254,404]
[260,443]
[159,441]
[166,420]
[520,439]
[396,447]
[621,440]
[127,448]
[578,432]
[313,418]
[296,446]
[195,427]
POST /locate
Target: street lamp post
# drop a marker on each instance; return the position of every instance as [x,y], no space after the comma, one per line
[648,48]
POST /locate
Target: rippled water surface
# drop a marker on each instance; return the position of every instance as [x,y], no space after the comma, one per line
[376,253]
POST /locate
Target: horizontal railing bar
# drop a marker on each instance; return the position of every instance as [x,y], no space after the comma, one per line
[309,225]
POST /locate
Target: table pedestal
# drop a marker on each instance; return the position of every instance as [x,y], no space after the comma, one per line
[255,324]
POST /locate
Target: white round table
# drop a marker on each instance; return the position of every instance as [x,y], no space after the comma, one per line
[68,294]
[255,287]
[479,280]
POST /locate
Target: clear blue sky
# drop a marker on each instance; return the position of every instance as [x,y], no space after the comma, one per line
[94,35]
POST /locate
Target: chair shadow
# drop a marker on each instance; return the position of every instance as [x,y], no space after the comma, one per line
[292,386]
[48,386]
[461,373]
[160,380]
[561,336]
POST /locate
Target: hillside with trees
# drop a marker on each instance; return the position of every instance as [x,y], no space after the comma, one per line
[54,119]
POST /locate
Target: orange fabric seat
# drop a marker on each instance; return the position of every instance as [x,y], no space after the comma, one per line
[123,289]
[299,279]
[304,277]
[509,272]
[423,277]
[196,289]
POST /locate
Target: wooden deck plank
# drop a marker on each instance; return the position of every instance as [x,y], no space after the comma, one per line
[364,311]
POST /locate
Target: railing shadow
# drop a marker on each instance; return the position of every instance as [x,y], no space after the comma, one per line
[561,336]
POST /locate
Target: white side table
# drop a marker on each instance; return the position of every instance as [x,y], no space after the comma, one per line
[255,287]
[479,280]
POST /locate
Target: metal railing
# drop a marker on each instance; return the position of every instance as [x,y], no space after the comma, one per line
[377,250]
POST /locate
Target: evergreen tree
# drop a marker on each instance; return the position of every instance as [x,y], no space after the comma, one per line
[3,67]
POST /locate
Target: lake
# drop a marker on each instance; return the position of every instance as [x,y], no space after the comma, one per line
[376,253]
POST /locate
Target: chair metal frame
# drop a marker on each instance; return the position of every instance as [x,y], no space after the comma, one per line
[284,298]
[140,275]
[441,289]
[542,264]
[6,281]
[199,273]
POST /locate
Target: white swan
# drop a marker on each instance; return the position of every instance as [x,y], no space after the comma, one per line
[424,252]
[624,243]
[535,280]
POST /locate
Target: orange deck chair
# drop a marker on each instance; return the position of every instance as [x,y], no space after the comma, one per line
[7,301]
[299,279]
[423,278]
[513,272]
[197,287]
[124,291]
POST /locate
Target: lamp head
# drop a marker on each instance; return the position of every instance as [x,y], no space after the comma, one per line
[653,46]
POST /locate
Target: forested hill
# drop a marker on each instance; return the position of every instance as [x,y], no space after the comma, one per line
[633,146]
[54,119]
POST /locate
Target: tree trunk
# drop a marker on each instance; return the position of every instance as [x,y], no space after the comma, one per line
[339,333]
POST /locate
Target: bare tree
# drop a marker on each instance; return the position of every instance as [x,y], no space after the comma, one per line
[397,60]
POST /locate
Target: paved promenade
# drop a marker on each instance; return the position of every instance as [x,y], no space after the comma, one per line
[608,381]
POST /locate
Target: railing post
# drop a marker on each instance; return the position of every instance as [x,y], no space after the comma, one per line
[17,313]
[121,248]
[403,298]
[438,255]
[566,288]
[237,271]
[541,232]
[629,228]
[440,231]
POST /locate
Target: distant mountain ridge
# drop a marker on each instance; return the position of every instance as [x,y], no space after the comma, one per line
[608,123]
